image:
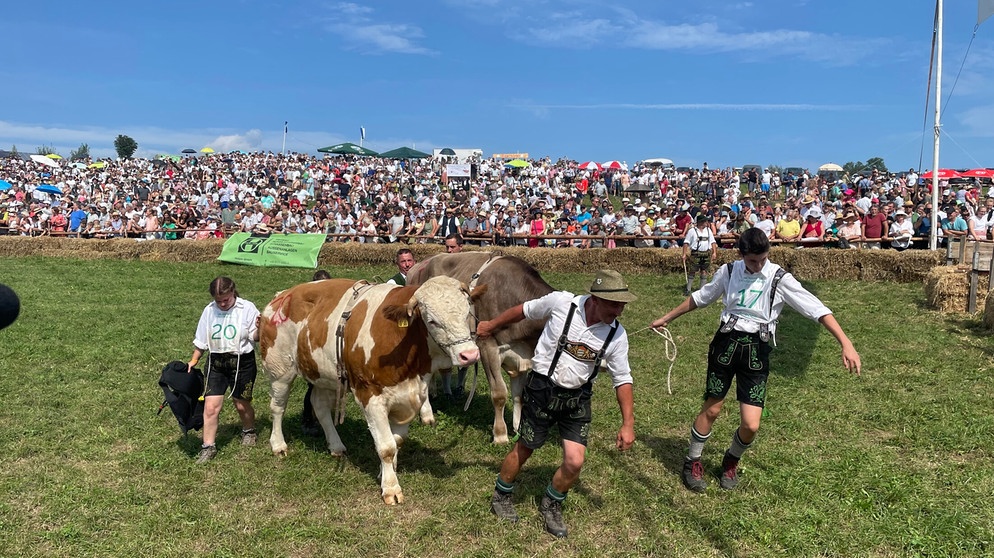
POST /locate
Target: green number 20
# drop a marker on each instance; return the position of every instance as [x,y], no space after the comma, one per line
[228,331]
[752,302]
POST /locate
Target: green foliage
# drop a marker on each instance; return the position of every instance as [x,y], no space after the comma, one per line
[775,169]
[873,163]
[125,146]
[13,152]
[82,153]
[893,463]
[45,150]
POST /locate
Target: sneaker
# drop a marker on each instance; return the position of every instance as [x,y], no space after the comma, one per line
[552,513]
[693,475]
[206,454]
[502,505]
[248,437]
[729,472]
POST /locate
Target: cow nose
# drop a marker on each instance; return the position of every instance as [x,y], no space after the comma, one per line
[469,357]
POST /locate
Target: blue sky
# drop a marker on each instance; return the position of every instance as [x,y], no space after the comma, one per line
[787,82]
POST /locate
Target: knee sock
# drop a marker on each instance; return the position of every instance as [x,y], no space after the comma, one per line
[554,494]
[503,487]
[738,447]
[697,441]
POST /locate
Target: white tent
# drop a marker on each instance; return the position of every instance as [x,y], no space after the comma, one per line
[659,161]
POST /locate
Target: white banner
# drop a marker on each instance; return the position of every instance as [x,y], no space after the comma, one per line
[457,171]
[985,9]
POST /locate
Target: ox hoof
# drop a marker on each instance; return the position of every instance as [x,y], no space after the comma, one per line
[393,499]
[279,452]
[337,452]
[501,440]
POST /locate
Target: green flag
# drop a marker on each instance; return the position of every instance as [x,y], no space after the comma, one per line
[278,250]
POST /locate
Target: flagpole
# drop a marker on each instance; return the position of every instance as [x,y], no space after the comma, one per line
[933,239]
[283,152]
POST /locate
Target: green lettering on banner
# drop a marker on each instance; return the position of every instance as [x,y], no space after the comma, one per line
[283,250]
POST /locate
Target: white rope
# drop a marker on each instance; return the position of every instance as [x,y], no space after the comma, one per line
[670,349]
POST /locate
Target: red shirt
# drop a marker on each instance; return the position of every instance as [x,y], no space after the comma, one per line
[874,225]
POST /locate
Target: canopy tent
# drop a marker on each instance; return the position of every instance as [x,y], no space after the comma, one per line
[978,173]
[348,149]
[404,153]
[828,167]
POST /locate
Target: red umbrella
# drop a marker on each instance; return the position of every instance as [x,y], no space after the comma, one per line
[943,174]
[590,165]
[613,165]
[978,173]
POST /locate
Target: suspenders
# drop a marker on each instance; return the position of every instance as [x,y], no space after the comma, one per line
[764,328]
[561,345]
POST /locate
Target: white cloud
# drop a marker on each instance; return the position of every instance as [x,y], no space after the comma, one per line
[361,31]
[695,106]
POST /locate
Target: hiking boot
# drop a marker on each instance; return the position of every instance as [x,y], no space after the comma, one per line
[502,505]
[206,454]
[729,472]
[693,475]
[552,513]
[248,437]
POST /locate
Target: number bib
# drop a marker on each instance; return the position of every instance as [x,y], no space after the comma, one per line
[225,331]
[749,297]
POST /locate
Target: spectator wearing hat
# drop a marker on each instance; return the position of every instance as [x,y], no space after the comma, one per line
[699,247]
[901,231]
[850,232]
[955,225]
[629,223]
[814,228]
[559,387]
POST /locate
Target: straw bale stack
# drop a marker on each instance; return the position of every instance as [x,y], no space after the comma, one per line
[947,289]
[808,263]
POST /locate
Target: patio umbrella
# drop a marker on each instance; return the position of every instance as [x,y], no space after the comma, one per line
[518,163]
[616,165]
[658,161]
[447,151]
[43,160]
[977,173]
[4,186]
[49,189]
[55,156]
[98,165]
[188,151]
[348,149]
[404,153]
[78,165]
[943,174]
[830,167]
[590,165]
[207,150]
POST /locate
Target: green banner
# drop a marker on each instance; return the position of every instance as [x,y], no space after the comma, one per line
[278,250]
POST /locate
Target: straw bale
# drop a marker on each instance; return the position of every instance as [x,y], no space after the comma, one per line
[947,289]
[807,263]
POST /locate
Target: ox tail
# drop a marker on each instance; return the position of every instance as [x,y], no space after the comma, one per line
[278,305]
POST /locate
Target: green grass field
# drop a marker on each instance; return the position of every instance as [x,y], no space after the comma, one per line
[897,462]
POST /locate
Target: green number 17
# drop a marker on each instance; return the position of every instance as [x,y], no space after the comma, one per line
[752,301]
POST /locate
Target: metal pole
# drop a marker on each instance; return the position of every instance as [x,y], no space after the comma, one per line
[933,238]
[283,151]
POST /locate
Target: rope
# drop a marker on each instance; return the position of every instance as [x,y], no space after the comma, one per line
[670,349]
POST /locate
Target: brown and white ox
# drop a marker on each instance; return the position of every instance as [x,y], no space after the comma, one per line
[511,281]
[391,341]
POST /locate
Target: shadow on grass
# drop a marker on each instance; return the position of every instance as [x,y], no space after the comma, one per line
[796,338]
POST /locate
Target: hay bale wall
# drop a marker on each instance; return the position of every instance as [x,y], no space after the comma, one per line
[809,263]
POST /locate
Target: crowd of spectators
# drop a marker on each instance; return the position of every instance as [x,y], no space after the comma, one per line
[551,204]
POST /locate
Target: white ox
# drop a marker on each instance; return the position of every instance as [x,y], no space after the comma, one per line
[391,341]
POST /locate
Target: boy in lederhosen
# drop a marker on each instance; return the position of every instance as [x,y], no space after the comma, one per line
[754,291]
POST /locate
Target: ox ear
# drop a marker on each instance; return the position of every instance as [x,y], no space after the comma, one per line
[400,313]
[478,292]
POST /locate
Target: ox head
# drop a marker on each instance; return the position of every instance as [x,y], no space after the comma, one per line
[445,305]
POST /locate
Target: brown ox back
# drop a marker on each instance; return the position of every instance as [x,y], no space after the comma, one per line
[511,281]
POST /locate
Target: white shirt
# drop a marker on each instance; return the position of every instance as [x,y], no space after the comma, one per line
[227,332]
[576,364]
[698,240]
[747,296]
